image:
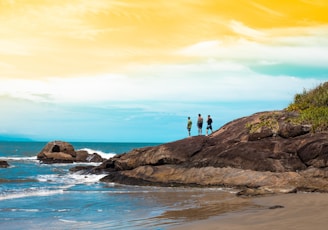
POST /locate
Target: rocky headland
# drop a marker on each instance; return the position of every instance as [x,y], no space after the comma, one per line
[268,152]
[259,154]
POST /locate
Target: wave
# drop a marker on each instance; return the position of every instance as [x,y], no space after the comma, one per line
[65,165]
[101,153]
[70,179]
[34,158]
[68,221]
[20,210]
[57,184]
[29,193]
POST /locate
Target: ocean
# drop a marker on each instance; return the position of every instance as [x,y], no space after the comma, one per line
[48,196]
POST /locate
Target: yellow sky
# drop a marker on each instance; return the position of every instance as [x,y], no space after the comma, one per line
[83,68]
[45,38]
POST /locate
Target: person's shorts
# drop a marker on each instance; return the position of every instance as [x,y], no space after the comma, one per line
[209,127]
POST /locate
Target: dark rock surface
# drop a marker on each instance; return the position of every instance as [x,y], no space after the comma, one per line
[64,152]
[263,153]
[4,164]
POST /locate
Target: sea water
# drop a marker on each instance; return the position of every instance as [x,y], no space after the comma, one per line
[49,196]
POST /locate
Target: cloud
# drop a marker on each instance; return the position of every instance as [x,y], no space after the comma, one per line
[266,9]
[13,47]
[208,81]
[241,29]
[306,46]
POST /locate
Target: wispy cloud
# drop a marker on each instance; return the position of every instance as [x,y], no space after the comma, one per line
[243,30]
[267,10]
[270,47]
[210,81]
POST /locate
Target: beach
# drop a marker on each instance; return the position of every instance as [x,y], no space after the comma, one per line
[35,195]
[301,211]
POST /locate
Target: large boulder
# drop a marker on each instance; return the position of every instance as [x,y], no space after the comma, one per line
[64,152]
[263,151]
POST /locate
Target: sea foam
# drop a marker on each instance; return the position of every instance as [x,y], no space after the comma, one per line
[101,153]
[34,158]
[70,179]
[29,193]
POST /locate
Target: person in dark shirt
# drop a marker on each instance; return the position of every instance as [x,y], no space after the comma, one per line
[200,124]
[209,124]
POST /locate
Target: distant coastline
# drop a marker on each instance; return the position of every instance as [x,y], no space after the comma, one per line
[18,138]
[15,138]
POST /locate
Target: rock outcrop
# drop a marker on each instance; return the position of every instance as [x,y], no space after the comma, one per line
[64,152]
[4,164]
[262,153]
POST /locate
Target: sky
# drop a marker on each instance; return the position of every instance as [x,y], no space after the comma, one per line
[134,70]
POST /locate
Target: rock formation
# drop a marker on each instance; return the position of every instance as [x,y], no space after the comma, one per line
[63,152]
[262,153]
[4,164]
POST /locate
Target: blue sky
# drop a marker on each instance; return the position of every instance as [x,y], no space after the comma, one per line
[133,71]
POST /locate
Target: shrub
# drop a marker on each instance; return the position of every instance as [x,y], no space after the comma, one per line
[312,106]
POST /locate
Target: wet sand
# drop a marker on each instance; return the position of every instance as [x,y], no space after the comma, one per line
[301,211]
[197,205]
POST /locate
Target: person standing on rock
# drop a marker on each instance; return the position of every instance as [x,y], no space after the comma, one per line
[189,124]
[209,124]
[200,124]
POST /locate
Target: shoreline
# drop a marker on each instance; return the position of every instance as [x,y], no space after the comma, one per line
[301,211]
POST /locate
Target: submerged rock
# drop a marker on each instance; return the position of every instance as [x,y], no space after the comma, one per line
[64,152]
[4,164]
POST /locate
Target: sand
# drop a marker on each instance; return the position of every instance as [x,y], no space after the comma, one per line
[301,211]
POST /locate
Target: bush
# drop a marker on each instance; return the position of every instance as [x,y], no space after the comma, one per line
[312,106]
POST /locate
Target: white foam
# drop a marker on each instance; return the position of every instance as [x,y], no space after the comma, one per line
[68,221]
[63,210]
[87,163]
[23,210]
[101,153]
[71,179]
[82,179]
[65,165]
[34,158]
[29,193]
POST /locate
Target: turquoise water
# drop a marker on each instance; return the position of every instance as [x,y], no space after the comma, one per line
[41,196]
[34,195]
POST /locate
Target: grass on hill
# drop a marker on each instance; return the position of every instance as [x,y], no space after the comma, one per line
[312,106]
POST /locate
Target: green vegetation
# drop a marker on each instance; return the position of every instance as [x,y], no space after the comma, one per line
[312,107]
[266,121]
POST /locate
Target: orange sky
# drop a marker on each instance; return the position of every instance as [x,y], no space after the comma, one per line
[101,69]
[41,38]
